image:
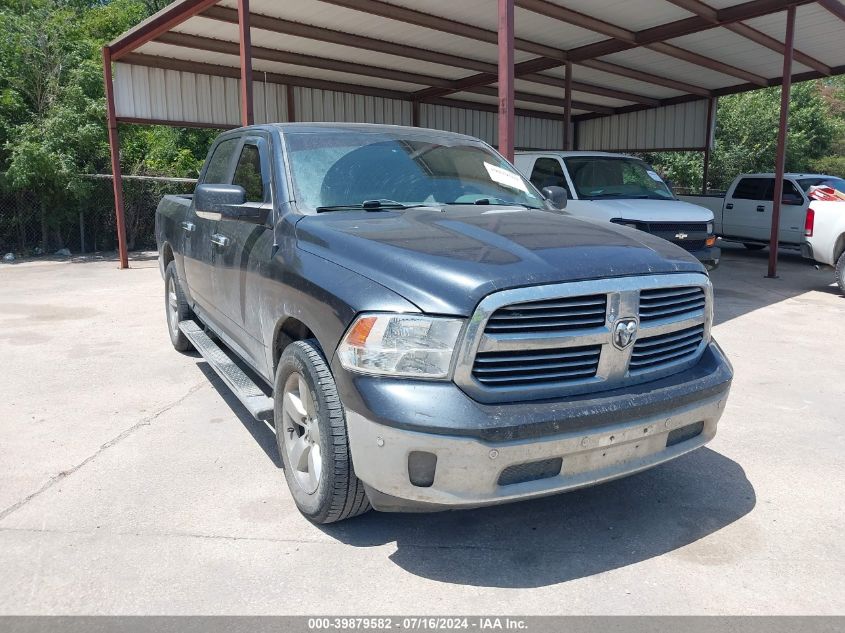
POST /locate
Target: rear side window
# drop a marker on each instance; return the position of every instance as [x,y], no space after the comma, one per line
[248,174]
[754,189]
[547,172]
[218,166]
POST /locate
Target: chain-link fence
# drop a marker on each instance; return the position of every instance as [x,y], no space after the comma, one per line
[32,224]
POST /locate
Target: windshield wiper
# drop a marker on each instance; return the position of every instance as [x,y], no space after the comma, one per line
[368,205]
[498,202]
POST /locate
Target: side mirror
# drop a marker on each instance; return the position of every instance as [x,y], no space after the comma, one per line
[222,199]
[556,195]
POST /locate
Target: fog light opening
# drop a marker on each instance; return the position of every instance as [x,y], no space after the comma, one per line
[421,468]
[684,433]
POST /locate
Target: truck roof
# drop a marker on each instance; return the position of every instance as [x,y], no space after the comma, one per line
[360,127]
[569,153]
[786,175]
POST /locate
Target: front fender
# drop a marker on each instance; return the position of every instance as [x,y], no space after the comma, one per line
[322,295]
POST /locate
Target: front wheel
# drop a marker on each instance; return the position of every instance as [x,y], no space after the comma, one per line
[312,438]
[840,272]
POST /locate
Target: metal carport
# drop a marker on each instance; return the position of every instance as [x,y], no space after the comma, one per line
[621,75]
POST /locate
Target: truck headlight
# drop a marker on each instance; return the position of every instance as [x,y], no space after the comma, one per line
[400,345]
[709,228]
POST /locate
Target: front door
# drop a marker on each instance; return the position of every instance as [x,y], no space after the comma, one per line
[242,248]
[748,211]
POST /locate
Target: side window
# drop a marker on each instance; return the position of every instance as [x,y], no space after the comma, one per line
[547,172]
[754,189]
[218,164]
[248,174]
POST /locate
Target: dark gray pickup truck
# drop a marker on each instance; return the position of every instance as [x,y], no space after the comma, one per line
[425,329]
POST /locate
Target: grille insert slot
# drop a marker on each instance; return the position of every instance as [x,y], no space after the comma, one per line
[550,315]
[654,352]
[526,368]
[531,471]
[675,303]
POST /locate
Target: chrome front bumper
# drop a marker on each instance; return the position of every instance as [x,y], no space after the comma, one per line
[468,470]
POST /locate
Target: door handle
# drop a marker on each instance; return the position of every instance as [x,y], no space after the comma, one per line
[188,226]
[220,240]
[760,208]
[729,205]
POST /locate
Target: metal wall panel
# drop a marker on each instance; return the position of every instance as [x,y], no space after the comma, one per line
[168,95]
[312,104]
[679,126]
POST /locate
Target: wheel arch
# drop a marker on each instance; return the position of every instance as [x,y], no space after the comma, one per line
[289,330]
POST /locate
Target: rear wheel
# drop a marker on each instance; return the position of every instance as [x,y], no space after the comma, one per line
[177,309]
[840,272]
[312,438]
[751,246]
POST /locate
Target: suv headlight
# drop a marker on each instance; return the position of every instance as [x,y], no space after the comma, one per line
[400,345]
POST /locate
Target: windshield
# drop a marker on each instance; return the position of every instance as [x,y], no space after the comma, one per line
[825,181]
[596,177]
[338,169]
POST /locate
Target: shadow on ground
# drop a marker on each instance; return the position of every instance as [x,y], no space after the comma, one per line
[565,537]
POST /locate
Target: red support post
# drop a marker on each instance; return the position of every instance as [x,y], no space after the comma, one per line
[291,103]
[114,149]
[783,128]
[247,117]
[506,81]
[567,108]
[708,137]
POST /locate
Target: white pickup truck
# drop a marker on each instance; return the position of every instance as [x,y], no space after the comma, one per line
[744,213]
[624,190]
[824,235]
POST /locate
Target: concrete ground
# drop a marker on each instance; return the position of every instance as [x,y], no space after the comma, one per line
[133,483]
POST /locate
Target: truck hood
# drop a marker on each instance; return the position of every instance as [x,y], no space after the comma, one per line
[446,259]
[651,210]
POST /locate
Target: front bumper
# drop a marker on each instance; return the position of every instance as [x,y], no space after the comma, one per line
[708,256]
[479,447]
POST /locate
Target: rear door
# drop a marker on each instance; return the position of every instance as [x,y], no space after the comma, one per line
[748,209]
[793,210]
[199,227]
[242,247]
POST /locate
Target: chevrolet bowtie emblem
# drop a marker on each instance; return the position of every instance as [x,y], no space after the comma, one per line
[681,236]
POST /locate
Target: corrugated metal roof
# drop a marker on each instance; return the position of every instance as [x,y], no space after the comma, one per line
[410,47]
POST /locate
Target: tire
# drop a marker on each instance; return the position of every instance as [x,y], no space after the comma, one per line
[751,246]
[176,309]
[312,438]
[840,272]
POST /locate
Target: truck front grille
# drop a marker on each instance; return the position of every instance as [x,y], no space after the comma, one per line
[507,369]
[654,352]
[545,342]
[690,236]
[674,303]
[573,313]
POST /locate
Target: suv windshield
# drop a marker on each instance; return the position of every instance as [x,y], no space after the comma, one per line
[596,177]
[338,169]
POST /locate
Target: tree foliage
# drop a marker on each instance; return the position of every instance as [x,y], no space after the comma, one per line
[746,136]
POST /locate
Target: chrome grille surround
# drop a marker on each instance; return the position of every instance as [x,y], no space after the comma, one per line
[623,301]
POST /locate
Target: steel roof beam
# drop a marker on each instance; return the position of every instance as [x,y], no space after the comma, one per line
[212,45]
[158,23]
[835,7]
[298,29]
[709,13]
[632,38]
